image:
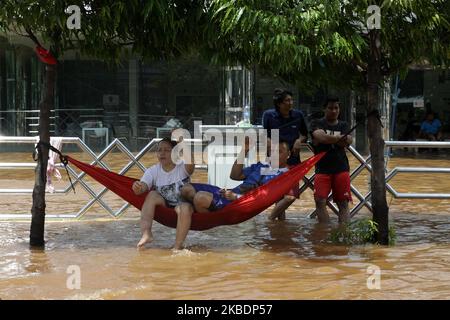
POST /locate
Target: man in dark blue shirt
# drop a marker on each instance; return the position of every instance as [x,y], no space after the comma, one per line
[289,121]
[292,129]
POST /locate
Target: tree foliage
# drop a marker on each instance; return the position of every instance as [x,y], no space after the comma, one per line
[314,42]
[320,43]
[153,29]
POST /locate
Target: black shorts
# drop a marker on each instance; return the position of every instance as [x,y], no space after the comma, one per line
[168,205]
[293,160]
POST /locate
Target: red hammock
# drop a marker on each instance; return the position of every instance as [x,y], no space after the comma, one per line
[45,55]
[240,210]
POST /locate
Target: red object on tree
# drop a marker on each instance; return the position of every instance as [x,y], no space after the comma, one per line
[45,55]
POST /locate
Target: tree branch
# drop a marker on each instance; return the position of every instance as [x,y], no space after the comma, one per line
[386,71]
[360,66]
[32,36]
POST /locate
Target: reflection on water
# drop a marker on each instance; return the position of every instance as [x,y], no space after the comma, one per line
[257,259]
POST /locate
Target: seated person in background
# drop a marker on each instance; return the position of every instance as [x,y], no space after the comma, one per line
[412,128]
[431,128]
[207,198]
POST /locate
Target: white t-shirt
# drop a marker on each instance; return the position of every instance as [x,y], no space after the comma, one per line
[168,184]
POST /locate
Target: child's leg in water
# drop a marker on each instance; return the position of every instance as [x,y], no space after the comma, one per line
[152,200]
[184,211]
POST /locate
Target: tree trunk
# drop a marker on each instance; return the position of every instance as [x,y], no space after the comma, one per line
[376,142]
[38,207]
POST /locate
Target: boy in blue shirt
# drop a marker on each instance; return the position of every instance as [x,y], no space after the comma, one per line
[208,198]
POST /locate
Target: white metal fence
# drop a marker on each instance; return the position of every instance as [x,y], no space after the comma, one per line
[134,161]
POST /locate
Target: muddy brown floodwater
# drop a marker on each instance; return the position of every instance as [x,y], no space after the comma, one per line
[256,259]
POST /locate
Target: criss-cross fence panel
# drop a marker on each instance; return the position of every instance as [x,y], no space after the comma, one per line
[78,179]
[364,200]
[134,161]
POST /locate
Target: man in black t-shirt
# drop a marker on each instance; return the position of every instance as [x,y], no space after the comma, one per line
[332,171]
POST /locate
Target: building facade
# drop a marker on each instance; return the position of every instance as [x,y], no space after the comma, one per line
[136,99]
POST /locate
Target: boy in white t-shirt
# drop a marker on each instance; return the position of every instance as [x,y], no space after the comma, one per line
[166,178]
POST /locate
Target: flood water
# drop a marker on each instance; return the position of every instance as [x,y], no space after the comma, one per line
[256,259]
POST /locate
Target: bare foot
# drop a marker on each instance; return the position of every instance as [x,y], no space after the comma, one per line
[177,246]
[147,237]
[281,216]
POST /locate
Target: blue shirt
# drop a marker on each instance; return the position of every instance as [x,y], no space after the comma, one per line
[431,128]
[291,128]
[255,176]
[272,119]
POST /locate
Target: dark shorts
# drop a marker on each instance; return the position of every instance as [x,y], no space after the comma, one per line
[293,160]
[166,202]
[218,201]
[168,205]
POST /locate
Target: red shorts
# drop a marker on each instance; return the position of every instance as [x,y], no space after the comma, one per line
[295,191]
[338,182]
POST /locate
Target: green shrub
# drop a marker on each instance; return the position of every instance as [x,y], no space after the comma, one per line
[358,232]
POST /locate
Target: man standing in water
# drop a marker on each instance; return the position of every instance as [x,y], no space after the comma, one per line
[292,129]
[332,171]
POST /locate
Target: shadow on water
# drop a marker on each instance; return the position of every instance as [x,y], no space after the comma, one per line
[297,237]
[420,229]
[301,237]
[257,258]
[38,261]
[298,234]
